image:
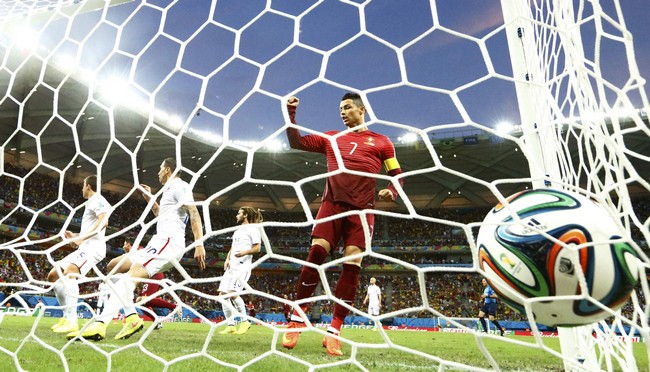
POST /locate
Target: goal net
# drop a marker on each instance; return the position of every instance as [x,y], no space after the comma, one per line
[480,99]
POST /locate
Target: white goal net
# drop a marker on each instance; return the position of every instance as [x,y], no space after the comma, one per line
[480,99]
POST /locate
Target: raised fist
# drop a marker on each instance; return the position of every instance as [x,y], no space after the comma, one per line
[293,101]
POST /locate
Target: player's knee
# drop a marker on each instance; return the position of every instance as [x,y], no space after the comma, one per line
[52,276]
[323,243]
[352,250]
[72,272]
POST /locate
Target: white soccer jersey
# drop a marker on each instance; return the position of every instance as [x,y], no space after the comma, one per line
[103,294]
[95,206]
[242,240]
[172,218]
[373,294]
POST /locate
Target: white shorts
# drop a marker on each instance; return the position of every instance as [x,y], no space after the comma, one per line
[85,257]
[234,280]
[158,255]
[373,309]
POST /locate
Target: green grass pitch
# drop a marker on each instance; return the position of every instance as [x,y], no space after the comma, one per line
[199,347]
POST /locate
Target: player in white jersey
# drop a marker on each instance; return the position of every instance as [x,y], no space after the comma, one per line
[246,241]
[164,248]
[91,248]
[102,296]
[373,298]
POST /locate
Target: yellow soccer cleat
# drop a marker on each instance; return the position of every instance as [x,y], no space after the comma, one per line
[59,323]
[230,329]
[132,325]
[243,327]
[67,327]
[95,332]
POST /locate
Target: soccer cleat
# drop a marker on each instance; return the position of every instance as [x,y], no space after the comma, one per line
[95,332]
[290,339]
[158,326]
[133,324]
[59,323]
[67,327]
[230,329]
[332,346]
[243,327]
[502,332]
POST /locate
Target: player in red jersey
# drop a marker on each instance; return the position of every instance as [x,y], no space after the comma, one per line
[361,150]
[123,264]
[148,290]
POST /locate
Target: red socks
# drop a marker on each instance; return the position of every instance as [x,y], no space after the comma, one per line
[346,290]
[309,278]
[159,302]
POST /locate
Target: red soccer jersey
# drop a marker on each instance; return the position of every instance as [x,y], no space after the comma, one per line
[363,151]
[150,288]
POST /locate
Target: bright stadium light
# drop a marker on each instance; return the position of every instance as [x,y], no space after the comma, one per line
[115,90]
[66,62]
[408,138]
[175,122]
[504,127]
[26,38]
[274,146]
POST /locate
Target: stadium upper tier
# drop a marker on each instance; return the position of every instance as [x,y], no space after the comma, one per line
[489,159]
[66,129]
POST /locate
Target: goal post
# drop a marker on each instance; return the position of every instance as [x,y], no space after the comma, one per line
[532,40]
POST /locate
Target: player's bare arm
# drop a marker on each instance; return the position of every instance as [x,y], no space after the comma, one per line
[76,240]
[146,194]
[197,230]
[226,264]
[254,249]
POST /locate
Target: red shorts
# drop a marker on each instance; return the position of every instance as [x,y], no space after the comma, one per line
[149,289]
[349,228]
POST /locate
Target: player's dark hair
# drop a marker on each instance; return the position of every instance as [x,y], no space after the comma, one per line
[355,97]
[170,163]
[253,215]
[92,182]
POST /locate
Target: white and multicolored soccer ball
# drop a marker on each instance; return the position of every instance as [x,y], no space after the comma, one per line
[521,263]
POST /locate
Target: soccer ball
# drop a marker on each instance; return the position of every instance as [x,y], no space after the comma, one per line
[520,261]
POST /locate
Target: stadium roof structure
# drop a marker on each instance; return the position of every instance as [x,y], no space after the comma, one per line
[71,130]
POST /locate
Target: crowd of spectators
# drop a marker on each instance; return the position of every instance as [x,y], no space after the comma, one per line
[449,294]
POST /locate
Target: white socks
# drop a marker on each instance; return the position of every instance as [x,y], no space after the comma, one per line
[66,291]
[241,307]
[120,298]
[72,299]
[59,292]
[229,311]
[233,307]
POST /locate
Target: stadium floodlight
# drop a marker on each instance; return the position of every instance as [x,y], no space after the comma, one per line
[175,122]
[504,127]
[409,137]
[207,136]
[274,146]
[66,62]
[115,90]
[26,38]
